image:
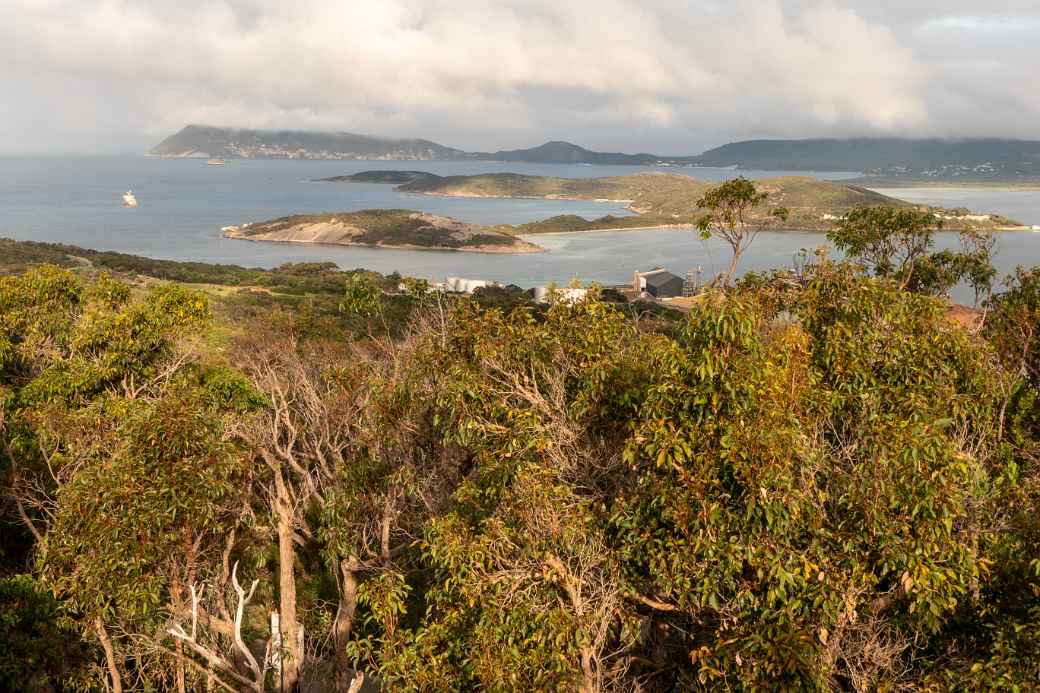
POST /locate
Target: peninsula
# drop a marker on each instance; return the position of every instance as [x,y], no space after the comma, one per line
[205,141]
[664,199]
[383,228]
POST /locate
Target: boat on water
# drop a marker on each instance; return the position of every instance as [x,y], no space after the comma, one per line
[128,199]
[216,162]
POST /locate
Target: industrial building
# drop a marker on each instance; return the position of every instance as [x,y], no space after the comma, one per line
[658,282]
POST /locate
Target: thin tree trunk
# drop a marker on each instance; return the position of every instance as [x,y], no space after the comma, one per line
[345,621]
[110,656]
[178,589]
[733,267]
[181,687]
[589,677]
[289,624]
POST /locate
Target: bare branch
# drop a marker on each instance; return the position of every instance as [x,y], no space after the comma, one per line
[243,600]
[357,683]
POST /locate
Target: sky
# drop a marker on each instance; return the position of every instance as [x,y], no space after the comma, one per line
[665,76]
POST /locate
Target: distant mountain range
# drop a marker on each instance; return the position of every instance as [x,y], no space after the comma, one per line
[970,159]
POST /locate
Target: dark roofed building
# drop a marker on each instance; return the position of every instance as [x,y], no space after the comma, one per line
[659,283]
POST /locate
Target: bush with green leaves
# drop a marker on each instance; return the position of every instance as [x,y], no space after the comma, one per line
[811,482]
[897,242]
[41,649]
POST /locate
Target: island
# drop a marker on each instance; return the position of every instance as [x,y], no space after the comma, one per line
[659,199]
[383,228]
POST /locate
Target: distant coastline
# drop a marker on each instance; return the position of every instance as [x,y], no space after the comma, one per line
[884,182]
[954,160]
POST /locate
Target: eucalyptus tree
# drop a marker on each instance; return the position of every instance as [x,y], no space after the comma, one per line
[728,208]
[897,242]
[761,501]
[108,428]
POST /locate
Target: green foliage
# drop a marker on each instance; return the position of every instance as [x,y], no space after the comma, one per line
[40,647]
[417,288]
[887,240]
[729,209]
[113,440]
[755,452]
[813,481]
[289,279]
[143,498]
[361,297]
[893,242]
[729,204]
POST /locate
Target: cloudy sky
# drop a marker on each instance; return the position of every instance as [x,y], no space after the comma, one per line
[669,76]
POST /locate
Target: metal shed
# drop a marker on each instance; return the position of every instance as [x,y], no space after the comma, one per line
[661,283]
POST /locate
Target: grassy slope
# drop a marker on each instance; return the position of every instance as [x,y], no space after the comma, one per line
[661,198]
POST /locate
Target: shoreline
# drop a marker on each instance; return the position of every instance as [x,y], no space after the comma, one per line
[536,234]
[896,184]
[376,246]
[569,198]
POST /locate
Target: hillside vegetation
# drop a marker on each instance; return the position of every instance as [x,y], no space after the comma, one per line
[384,228]
[664,198]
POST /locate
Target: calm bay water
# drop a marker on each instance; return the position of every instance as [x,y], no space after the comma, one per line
[184,203]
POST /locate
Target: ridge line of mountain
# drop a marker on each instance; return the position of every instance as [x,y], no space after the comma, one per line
[978,159]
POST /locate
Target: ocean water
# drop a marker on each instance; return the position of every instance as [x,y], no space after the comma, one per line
[184,202]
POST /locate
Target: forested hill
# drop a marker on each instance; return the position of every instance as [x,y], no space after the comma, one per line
[557,152]
[233,143]
[929,158]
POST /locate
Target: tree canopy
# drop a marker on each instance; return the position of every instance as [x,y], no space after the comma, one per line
[810,482]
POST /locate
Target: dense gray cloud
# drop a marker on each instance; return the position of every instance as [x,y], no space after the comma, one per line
[664,75]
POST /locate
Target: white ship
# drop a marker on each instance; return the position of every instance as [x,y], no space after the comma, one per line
[128,199]
[216,162]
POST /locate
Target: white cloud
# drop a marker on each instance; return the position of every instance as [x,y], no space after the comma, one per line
[480,73]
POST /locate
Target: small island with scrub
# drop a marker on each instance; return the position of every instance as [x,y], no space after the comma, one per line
[383,228]
[667,199]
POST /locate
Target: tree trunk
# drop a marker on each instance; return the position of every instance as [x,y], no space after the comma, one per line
[292,658]
[110,657]
[733,266]
[179,674]
[589,676]
[345,621]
